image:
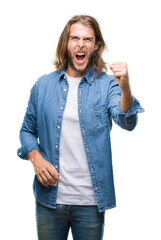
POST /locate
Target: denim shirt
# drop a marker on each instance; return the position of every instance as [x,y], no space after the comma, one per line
[98,103]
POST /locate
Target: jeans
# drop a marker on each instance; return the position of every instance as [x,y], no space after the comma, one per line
[85,221]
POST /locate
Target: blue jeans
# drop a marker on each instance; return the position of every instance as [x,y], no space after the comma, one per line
[85,221]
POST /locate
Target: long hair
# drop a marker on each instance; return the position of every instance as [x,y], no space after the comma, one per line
[61,61]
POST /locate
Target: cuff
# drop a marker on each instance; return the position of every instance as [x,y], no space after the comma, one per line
[24,150]
[133,110]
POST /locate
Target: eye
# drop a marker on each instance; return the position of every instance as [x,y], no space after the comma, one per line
[74,38]
[88,39]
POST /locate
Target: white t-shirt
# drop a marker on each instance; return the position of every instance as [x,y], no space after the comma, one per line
[75,186]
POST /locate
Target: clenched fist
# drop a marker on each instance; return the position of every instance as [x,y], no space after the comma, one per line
[121,74]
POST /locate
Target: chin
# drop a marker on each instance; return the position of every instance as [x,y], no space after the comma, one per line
[81,69]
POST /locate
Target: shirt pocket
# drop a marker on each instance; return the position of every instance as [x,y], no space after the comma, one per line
[100,118]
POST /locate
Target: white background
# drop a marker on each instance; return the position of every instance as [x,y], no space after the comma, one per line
[29,35]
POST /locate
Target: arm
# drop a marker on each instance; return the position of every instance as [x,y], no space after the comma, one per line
[44,170]
[29,132]
[121,75]
[123,107]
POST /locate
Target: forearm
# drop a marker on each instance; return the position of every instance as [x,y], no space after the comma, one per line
[29,131]
[33,155]
[126,100]
[28,143]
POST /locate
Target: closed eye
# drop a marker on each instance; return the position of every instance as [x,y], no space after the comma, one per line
[73,37]
[88,39]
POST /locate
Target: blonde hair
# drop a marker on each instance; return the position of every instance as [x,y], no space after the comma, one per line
[61,61]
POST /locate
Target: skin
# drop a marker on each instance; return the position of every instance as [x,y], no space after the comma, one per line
[120,72]
[45,171]
[81,40]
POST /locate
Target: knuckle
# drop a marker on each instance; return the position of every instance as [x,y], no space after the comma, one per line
[50,179]
[43,170]
[125,66]
[46,180]
[39,171]
[40,180]
[54,180]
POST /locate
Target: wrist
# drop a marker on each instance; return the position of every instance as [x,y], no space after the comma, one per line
[126,90]
[126,93]
[126,100]
[32,155]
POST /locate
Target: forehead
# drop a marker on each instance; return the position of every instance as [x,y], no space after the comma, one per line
[78,29]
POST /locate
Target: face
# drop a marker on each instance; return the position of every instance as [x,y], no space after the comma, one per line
[80,49]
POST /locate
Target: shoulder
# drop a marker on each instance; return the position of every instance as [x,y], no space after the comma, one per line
[48,78]
[45,81]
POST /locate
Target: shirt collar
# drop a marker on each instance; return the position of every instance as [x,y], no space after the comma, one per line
[89,77]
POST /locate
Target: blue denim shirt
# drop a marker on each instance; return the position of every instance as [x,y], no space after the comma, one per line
[98,104]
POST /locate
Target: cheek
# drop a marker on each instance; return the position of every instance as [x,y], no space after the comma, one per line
[90,48]
[71,46]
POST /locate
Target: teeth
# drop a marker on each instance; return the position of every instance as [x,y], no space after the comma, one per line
[80,54]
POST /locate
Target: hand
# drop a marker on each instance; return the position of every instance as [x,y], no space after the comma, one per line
[121,74]
[44,170]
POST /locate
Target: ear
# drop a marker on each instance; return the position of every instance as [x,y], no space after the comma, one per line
[96,46]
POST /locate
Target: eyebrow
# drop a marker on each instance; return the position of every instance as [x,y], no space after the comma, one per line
[73,36]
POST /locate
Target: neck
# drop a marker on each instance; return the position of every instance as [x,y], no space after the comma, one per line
[75,73]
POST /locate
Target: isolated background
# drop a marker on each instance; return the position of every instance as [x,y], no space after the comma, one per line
[29,34]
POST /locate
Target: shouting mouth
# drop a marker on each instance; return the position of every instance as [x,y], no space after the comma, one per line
[80,57]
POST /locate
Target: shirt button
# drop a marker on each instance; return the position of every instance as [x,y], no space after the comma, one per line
[80,110]
[58,127]
[56,166]
[61,108]
[19,154]
[56,146]
[95,187]
[65,89]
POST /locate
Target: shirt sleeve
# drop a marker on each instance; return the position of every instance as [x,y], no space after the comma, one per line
[28,131]
[127,120]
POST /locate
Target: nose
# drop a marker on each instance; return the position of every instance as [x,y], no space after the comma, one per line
[81,43]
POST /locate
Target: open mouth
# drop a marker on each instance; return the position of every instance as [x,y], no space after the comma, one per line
[80,57]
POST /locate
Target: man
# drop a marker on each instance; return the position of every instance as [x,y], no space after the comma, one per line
[66,134]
